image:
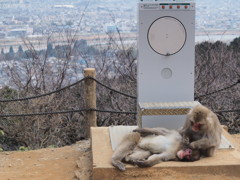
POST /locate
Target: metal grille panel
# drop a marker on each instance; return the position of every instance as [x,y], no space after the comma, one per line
[163,108]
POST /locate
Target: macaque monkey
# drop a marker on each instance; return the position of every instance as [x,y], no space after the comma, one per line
[203,130]
[194,153]
[146,147]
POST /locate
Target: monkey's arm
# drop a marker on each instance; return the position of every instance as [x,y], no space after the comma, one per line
[156,158]
[152,131]
[138,154]
[202,144]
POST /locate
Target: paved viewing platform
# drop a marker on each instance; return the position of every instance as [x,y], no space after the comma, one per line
[224,165]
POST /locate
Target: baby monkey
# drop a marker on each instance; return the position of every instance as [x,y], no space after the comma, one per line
[146,147]
[195,154]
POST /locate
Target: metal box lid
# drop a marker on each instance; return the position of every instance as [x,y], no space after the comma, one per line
[166,108]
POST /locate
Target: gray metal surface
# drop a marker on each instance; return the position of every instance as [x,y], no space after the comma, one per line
[171,115]
[162,77]
[167,121]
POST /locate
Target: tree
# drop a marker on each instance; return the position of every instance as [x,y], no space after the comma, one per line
[10,54]
[20,53]
[235,44]
[217,67]
[80,44]
[11,51]
[50,50]
[20,49]
[69,23]
[8,93]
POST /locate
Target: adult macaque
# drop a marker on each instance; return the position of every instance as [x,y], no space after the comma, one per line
[148,146]
[203,130]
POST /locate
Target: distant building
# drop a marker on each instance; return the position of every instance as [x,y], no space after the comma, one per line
[63,6]
[21,32]
[18,32]
[22,18]
[111,28]
[2,34]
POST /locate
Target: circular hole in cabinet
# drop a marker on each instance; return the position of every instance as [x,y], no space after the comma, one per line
[166,35]
[166,73]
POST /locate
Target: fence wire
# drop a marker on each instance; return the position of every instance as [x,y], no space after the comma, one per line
[89,109]
[228,87]
[121,93]
[64,88]
[66,111]
[42,95]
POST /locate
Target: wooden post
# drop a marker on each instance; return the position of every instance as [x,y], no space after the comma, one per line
[90,98]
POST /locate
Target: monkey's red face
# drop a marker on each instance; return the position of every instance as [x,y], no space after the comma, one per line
[196,126]
[185,154]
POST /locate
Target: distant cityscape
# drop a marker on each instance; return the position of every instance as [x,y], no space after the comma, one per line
[43,17]
[35,20]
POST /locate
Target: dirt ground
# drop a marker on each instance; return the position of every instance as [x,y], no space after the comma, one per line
[66,163]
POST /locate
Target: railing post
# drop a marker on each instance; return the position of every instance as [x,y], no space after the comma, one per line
[90,98]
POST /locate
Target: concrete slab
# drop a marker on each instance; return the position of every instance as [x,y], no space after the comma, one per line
[116,134]
[224,165]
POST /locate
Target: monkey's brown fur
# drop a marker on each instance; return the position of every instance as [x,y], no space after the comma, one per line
[203,130]
[128,143]
[155,145]
[148,146]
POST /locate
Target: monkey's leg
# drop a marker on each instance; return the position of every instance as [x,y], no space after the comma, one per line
[209,151]
[152,131]
[126,147]
[155,159]
[137,155]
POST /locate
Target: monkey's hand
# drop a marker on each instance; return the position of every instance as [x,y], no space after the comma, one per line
[185,141]
[200,144]
[193,145]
